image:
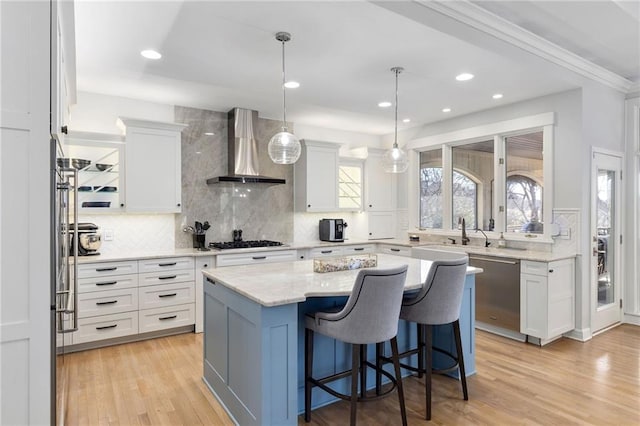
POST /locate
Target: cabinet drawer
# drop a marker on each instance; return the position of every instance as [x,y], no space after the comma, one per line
[107,302]
[363,248]
[166,277]
[255,257]
[162,318]
[86,285]
[325,251]
[534,268]
[166,264]
[106,327]
[86,270]
[395,250]
[166,295]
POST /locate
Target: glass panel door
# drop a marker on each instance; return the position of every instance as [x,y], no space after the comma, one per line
[605,224]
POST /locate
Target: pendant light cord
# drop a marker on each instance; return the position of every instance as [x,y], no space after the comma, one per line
[284,92]
[395,139]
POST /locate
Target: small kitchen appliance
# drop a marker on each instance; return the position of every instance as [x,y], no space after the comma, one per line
[332,230]
[89,237]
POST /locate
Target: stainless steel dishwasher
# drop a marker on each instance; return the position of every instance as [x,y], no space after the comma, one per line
[498,295]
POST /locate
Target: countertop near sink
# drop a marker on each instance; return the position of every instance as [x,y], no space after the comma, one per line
[513,253]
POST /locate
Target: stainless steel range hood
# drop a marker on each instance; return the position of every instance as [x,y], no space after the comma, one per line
[242,157]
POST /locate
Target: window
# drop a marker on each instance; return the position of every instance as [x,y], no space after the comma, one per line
[431,189]
[350,186]
[465,200]
[524,205]
[471,186]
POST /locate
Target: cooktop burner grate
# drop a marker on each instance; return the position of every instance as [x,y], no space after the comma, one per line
[244,244]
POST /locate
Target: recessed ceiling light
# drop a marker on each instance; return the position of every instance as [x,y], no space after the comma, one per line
[464,76]
[446,109]
[384,104]
[151,54]
[209,133]
[292,85]
[406,120]
[497,96]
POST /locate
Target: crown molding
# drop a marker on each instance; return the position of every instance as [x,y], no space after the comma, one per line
[481,19]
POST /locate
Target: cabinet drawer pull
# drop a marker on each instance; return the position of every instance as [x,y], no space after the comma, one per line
[168,277]
[394,249]
[326,251]
[168,318]
[168,295]
[211,281]
[167,264]
[113,268]
[108,283]
[259,257]
[110,302]
[358,248]
[106,326]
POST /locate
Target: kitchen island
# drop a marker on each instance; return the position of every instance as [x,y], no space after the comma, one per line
[253,325]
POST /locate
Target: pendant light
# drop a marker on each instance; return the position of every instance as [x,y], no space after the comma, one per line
[395,160]
[284,147]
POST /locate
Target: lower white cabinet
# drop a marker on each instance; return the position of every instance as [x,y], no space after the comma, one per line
[117,299]
[382,225]
[547,303]
[255,257]
[394,250]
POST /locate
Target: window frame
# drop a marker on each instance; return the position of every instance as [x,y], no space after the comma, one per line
[499,131]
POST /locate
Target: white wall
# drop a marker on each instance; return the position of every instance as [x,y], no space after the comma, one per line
[98,113]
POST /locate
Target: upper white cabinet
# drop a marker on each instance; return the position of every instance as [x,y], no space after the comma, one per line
[316,177]
[380,187]
[153,166]
[63,66]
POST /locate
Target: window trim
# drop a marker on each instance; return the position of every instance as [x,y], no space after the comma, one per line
[498,131]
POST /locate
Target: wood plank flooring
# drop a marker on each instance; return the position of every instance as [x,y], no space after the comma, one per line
[158,382]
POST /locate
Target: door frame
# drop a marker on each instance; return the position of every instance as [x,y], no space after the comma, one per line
[602,319]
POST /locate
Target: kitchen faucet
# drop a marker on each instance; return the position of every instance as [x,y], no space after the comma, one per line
[486,239]
[465,239]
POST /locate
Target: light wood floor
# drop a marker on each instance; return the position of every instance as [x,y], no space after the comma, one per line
[566,382]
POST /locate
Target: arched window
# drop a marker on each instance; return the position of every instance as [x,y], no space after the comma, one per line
[465,199]
[524,204]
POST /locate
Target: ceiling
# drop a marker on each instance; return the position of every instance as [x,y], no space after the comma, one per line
[218,55]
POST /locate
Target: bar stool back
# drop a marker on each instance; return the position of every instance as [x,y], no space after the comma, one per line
[438,302]
[369,316]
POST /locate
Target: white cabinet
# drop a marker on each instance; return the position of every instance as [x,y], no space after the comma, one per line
[153,168]
[380,187]
[255,257]
[394,250]
[63,67]
[316,177]
[381,225]
[203,262]
[100,184]
[547,298]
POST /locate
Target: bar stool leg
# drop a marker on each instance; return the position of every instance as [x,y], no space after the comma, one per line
[308,369]
[420,329]
[379,353]
[463,376]
[396,367]
[363,370]
[355,358]
[428,341]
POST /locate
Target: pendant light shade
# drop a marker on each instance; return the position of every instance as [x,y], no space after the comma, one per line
[395,160]
[284,147]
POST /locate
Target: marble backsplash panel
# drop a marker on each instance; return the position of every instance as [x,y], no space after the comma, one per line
[261,211]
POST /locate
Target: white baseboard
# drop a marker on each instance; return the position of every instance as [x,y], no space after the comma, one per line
[631,319]
[583,334]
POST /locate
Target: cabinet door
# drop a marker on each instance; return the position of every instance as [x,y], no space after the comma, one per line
[153,170]
[561,282]
[316,177]
[380,187]
[382,225]
[533,305]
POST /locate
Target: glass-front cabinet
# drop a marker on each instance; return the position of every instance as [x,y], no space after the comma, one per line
[101,183]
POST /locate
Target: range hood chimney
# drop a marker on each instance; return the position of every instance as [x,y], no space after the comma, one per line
[242,155]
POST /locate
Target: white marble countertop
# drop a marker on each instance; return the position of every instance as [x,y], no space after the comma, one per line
[274,284]
[135,255]
[512,253]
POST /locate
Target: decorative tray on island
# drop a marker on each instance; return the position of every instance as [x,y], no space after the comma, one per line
[344,263]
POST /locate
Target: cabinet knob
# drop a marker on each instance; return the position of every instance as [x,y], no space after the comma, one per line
[121,204]
[178,204]
[370,233]
[206,265]
[370,205]
[550,270]
[64,130]
[308,205]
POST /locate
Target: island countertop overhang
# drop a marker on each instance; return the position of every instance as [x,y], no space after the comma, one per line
[275,284]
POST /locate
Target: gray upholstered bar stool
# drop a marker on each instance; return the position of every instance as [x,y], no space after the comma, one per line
[369,316]
[438,302]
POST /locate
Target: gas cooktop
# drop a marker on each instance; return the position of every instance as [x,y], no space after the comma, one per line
[244,244]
